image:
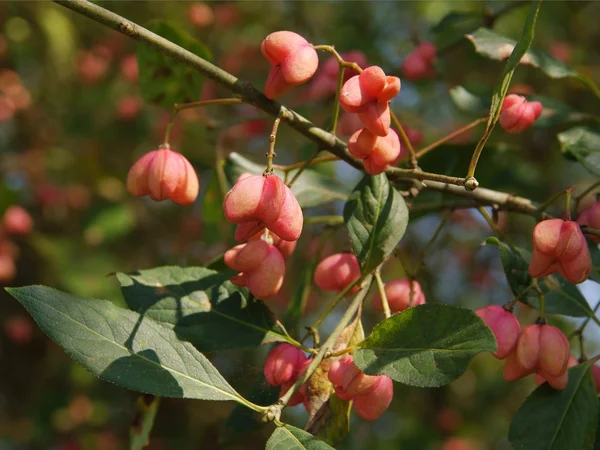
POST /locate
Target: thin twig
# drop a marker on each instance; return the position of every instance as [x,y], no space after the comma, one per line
[451,136]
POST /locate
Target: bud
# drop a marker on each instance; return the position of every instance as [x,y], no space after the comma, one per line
[368,95]
[17,221]
[283,363]
[505,327]
[163,174]
[399,296]
[293,61]
[419,63]
[591,217]
[518,114]
[559,246]
[337,271]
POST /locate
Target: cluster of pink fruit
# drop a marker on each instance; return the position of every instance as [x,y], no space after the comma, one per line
[268,215]
[371,395]
[15,222]
[539,348]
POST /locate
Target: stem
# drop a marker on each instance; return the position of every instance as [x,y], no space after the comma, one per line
[449,137]
[490,221]
[412,157]
[587,230]
[272,138]
[579,330]
[568,193]
[336,105]
[382,294]
[302,169]
[341,62]
[551,200]
[182,106]
[329,343]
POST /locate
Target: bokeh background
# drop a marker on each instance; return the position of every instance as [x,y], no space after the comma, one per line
[72,122]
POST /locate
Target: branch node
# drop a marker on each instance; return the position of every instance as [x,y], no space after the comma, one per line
[471,184]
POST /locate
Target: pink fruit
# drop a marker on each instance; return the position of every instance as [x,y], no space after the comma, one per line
[368,95]
[293,61]
[325,82]
[596,375]
[559,246]
[376,152]
[7,267]
[17,221]
[200,15]
[399,296]
[518,114]
[419,63]
[19,329]
[505,327]
[129,107]
[283,364]
[371,406]
[285,247]
[163,174]
[557,382]
[591,217]
[336,272]
[129,67]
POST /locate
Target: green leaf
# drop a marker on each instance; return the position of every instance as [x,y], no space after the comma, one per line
[110,224]
[453,26]
[312,188]
[498,47]
[427,346]
[143,421]
[124,347]
[468,101]
[288,437]
[561,296]
[558,420]
[597,443]
[162,80]
[376,217]
[201,306]
[582,144]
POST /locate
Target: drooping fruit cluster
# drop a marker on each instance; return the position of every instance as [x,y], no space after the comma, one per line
[257,202]
[399,297]
[368,95]
[375,151]
[504,326]
[541,349]
[518,114]
[336,272]
[283,366]
[163,174]
[16,221]
[591,217]
[419,63]
[293,61]
[559,246]
[371,395]
[267,215]
[261,267]
[325,82]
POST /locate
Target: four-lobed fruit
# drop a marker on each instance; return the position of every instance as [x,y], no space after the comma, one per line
[504,326]
[283,366]
[163,174]
[336,272]
[399,296]
[293,61]
[371,394]
[559,246]
[326,80]
[591,217]
[261,267]
[517,114]
[376,152]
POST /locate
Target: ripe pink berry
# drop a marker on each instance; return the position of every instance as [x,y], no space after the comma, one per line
[200,15]
[349,124]
[337,271]
[518,114]
[8,269]
[293,61]
[256,202]
[371,394]
[418,64]
[129,67]
[376,152]
[283,363]
[163,174]
[261,267]
[398,296]
[591,217]
[505,327]
[559,246]
[557,382]
[368,95]
[17,221]
[540,348]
